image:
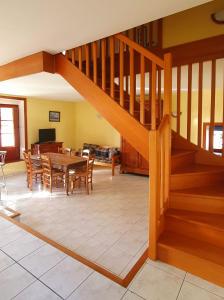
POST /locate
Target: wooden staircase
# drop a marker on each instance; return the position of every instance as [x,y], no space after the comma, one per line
[193,236]
[186,182]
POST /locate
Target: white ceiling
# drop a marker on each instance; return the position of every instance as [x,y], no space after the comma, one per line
[42,85]
[27,27]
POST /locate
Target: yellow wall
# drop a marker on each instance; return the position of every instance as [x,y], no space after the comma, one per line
[38,117]
[91,127]
[192,24]
[206,103]
[80,123]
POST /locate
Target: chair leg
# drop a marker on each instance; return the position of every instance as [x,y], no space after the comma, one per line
[87,185]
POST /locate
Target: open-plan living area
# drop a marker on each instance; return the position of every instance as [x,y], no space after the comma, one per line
[112,150]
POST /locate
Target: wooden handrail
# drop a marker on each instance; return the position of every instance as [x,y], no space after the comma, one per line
[158,61]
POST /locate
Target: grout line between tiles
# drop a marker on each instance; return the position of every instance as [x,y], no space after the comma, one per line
[17,263]
[181,287]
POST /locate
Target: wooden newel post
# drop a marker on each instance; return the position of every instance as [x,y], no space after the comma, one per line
[153,195]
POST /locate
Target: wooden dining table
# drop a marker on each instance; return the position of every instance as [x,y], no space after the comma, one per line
[63,162]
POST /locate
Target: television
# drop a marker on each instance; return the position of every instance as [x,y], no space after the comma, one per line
[47,135]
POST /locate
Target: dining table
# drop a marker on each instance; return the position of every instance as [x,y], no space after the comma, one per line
[63,162]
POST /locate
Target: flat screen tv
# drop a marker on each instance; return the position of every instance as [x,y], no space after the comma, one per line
[47,135]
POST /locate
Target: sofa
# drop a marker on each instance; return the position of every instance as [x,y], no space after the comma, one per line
[104,155]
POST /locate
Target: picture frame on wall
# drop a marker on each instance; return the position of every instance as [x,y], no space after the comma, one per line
[54,116]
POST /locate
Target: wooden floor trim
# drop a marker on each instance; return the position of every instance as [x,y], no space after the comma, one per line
[121,281]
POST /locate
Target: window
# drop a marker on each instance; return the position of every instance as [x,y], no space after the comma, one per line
[217,138]
[9,131]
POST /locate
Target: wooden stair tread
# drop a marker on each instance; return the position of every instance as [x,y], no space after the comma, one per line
[198,168]
[212,220]
[194,247]
[216,191]
[180,152]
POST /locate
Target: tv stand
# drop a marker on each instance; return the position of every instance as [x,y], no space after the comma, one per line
[39,148]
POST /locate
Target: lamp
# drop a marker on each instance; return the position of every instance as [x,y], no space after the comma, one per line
[218,17]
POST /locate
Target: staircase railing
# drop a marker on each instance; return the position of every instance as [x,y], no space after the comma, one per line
[134,75]
[112,64]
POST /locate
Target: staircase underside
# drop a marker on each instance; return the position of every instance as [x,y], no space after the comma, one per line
[136,134]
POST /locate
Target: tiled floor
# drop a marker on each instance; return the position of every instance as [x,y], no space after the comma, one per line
[109,226]
[41,272]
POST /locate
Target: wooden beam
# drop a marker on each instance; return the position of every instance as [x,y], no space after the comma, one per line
[197,51]
[32,64]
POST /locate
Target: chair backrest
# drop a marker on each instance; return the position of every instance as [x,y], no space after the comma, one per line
[90,164]
[66,151]
[46,164]
[27,160]
[85,153]
[2,156]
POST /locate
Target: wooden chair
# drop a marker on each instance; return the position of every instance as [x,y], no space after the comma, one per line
[66,151]
[33,171]
[50,175]
[83,175]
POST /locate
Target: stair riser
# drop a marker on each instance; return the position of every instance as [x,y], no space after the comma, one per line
[198,266]
[180,161]
[198,231]
[197,203]
[185,181]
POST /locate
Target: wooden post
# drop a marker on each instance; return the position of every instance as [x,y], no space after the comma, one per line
[103,53]
[189,92]
[73,56]
[94,49]
[167,111]
[178,97]
[212,114]
[132,83]
[142,91]
[112,67]
[87,59]
[153,99]
[153,197]
[200,87]
[121,78]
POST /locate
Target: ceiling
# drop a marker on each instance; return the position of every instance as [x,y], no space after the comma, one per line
[42,85]
[27,27]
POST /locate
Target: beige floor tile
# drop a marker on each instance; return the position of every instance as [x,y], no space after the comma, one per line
[213,288]
[168,268]
[11,234]
[109,212]
[115,260]
[4,224]
[155,284]
[192,292]
[37,291]
[98,287]
[66,276]
[131,296]
[42,260]
[22,246]
[5,261]
[13,280]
